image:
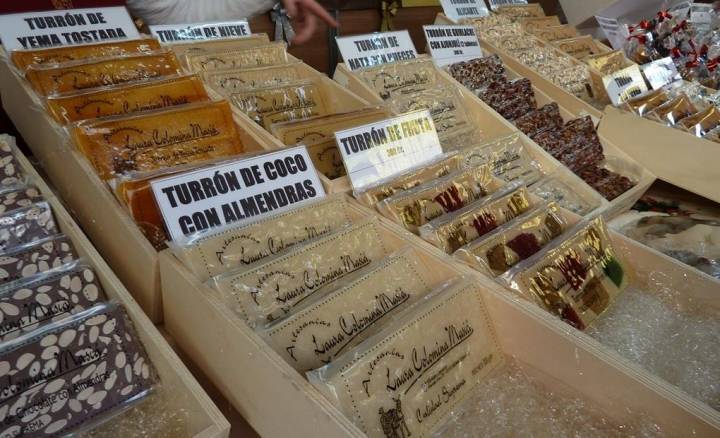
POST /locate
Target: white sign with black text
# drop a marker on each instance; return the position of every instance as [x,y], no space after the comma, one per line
[494,4]
[236,191]
[360,51]
[378,150]
[625,84]
[178,33]
[661,72]
[459,9]
[450,44]
[34,30]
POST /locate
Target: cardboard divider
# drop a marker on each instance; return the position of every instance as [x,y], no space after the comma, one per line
[183,391]
[256,380]
[103,218]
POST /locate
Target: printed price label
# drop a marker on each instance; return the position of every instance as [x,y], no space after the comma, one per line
[236,191]
[35,30]
[625,84]
[178,33]
[360,51]
[378,150]
[661,72]
[450,44]
[459,9]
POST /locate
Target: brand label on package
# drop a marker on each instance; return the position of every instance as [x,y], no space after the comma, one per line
[494,4]
[625,84]
[661,72]
[33,30]
[178,33]
[360,51]
[233,192]
[450,44]
[378,150]
[459,9]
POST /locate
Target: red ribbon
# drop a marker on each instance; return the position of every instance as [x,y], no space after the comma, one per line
[712,65]
[681,26]
[662,15]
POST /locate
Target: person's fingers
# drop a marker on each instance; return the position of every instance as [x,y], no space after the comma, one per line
[290,7]
[317,9]
[305,28]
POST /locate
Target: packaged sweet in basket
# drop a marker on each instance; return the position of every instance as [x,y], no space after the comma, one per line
[417,206]
[672,112]
[210,253]
[326,157]
[36,257]
[646,103]
[31,303]
[221,45]
[47,79]
[468,224]
[93,366]
[503,248]
[406,379]
[282,103]
[444,103]
[56,55]
[399,78]
[521,11]
[226,82]
[126,99]
[508,157]
[321,330]
[25,225]
[611,178]
[703,122]
[608,62]
[14,197]
[554,188]
[319,128]
[268,54]
[576,277]
[511,99]
[477,73]
[275,286]
[554,34]
[532,23]
[578,47]
[437,168]
[546,118]
[150,140]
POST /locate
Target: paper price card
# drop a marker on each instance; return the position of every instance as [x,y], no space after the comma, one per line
[378,150]
[451,44]
[360,51]
[625,84]
[661,72]
[33,30]
[178,33]
[495,4]
[459,9]
[235,191]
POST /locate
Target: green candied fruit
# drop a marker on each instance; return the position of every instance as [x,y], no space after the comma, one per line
[614,270]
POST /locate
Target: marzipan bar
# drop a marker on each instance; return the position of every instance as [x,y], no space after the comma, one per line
[80,75]
[56,55]
[126,99]
[274,288]
[147,141]
[319,128]
[269,54]
[211,253]
[316,334]
[227,82]
[405,380]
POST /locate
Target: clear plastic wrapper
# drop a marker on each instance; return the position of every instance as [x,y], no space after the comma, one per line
[326,157]
[578,47]
[437,168]
[542,119]
[452,231]
[477,73]
[703,122]
[511,99]
[315,334]
[444,103]
[532,23]
[644,104]
[18,197]
[508,158]
[417,206]
[37,257]
[553,34]
[498,251]
[126,98]
[73,375]
[612,177]
[576,145]
[282,103]
[553,188]
[227,82]
[48,79]
[672,112]
[151,140]
[48,297]
[55,55]
[462,138]
[608,62]
[277,285]
[210,253]
[222,45]
[575,277]
[405,380]
[315,129]
[400,78]
[713,135]
[268,54]
[10,171]
[25,225]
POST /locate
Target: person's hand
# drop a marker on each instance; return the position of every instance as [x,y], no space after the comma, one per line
[304,14]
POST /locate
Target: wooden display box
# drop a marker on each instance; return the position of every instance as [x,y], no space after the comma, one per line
[568,100]
[257,381]
[103,218]
[581,44]
[674,155]
[495,125]
[204,420]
